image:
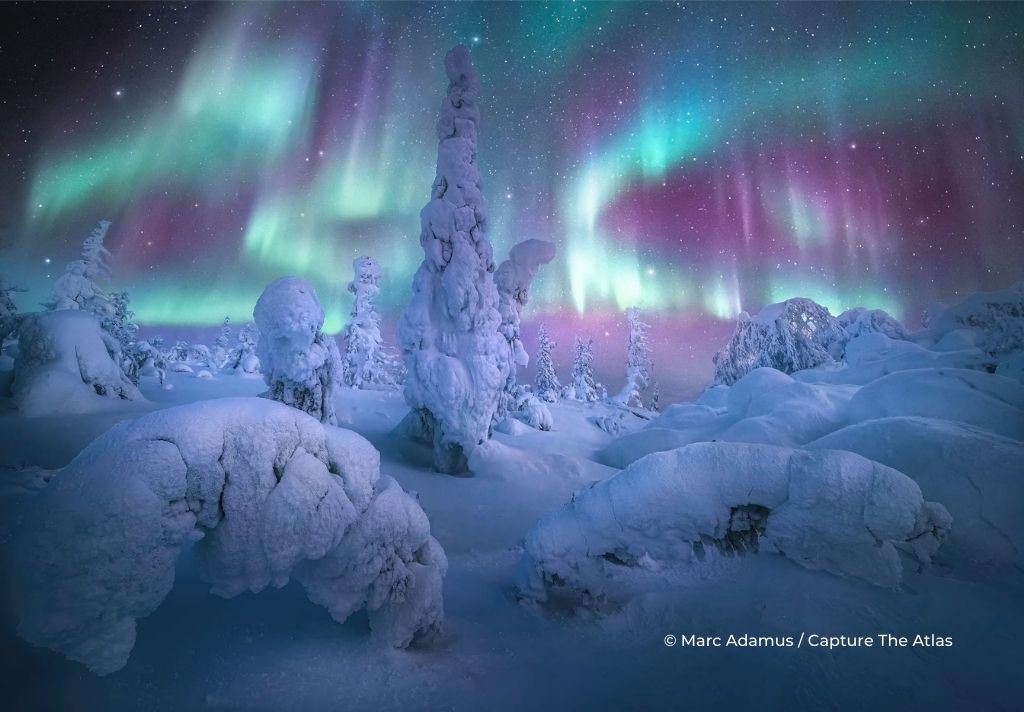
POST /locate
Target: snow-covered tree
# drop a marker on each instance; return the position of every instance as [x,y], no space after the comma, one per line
[181,351]
[513,279]
[222,344]
[8,308]
[638,361]
[243,358]
[366,363]
[457,362]
[120,323]
[301,364]
[79,287]
[546,385]
[584,388]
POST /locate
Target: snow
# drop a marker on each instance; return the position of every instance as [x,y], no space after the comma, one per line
[300,363]
[66,364]
[266,491]
[994,319]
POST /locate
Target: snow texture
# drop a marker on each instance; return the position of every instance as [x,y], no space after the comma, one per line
[826,510]
[266,491]
[366,364]
[300,363]
[67,364]
[457,361]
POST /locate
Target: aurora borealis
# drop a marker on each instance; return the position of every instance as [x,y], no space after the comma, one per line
[691,159]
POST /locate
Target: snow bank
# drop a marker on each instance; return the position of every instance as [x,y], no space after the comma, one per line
[995,319]
[266,491]
[984,400]
[978,475]
[67,364]
[828,510]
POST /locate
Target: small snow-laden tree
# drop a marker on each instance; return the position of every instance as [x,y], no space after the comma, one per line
[584,388]
[222,345]
[181,351]
[638,361]
[243,358]
[366,364]
[120,323]
[8,307]
[513,279]
[301,364]
[79,287]
[546,385]
[457,361]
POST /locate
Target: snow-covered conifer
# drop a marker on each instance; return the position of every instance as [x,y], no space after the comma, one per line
[243,358]
[120,323]
[584,387]
[8,308]
[79,287]
[513,279]
[457,361]
[221,350]
[366,363]
[181,351]
[638,361]
[301,364]
[546,385]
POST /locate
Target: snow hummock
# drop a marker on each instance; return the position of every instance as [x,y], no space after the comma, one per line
[992,321]
[67,364]
[828,510]
[301,364]
[266,492]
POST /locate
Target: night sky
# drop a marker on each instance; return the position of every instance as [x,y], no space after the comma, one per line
[692,159]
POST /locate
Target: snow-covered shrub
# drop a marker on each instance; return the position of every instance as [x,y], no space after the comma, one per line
[220,353]
[513,279]
[67,364]
[456,360]
[365,364]
[829,510]
[243,358]
[143,358]
[79,287]
[301,364]
[264,491]
[976,474]
[855,322]
[584,388]
[546,384]
[180,351]
[638,361]
[531,410]
[996,320]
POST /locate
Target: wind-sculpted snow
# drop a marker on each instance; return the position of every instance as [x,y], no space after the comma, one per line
[825,510]
[994,320]
[267,492]
[979,476]
[67,364]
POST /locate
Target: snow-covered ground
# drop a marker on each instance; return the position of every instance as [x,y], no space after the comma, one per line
[501,650]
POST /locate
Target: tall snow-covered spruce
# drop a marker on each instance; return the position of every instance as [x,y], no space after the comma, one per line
[301,364]
[513,279]
[583,388]
[366,364]
[546,385]
[456,359]
[638,361]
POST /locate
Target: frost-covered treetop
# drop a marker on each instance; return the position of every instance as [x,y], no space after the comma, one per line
[366,280]
[289,317]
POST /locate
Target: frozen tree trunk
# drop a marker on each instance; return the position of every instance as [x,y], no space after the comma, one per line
[365,362]
[457,361]
[638,361]
[301,364]
[513,280]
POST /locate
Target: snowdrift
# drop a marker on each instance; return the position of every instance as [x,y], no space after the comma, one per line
[267,492]
[67,364]
[829,510]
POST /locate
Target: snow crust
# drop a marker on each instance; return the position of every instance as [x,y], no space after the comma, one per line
[66,363]
[267,491]
[828,510]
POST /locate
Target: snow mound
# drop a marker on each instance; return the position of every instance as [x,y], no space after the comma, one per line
[765,406]
[67,364]
[978,475]
[984,400]
[995,318]
[828,510]
[266,491]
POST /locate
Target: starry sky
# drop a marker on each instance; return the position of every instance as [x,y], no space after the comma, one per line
[695,160]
